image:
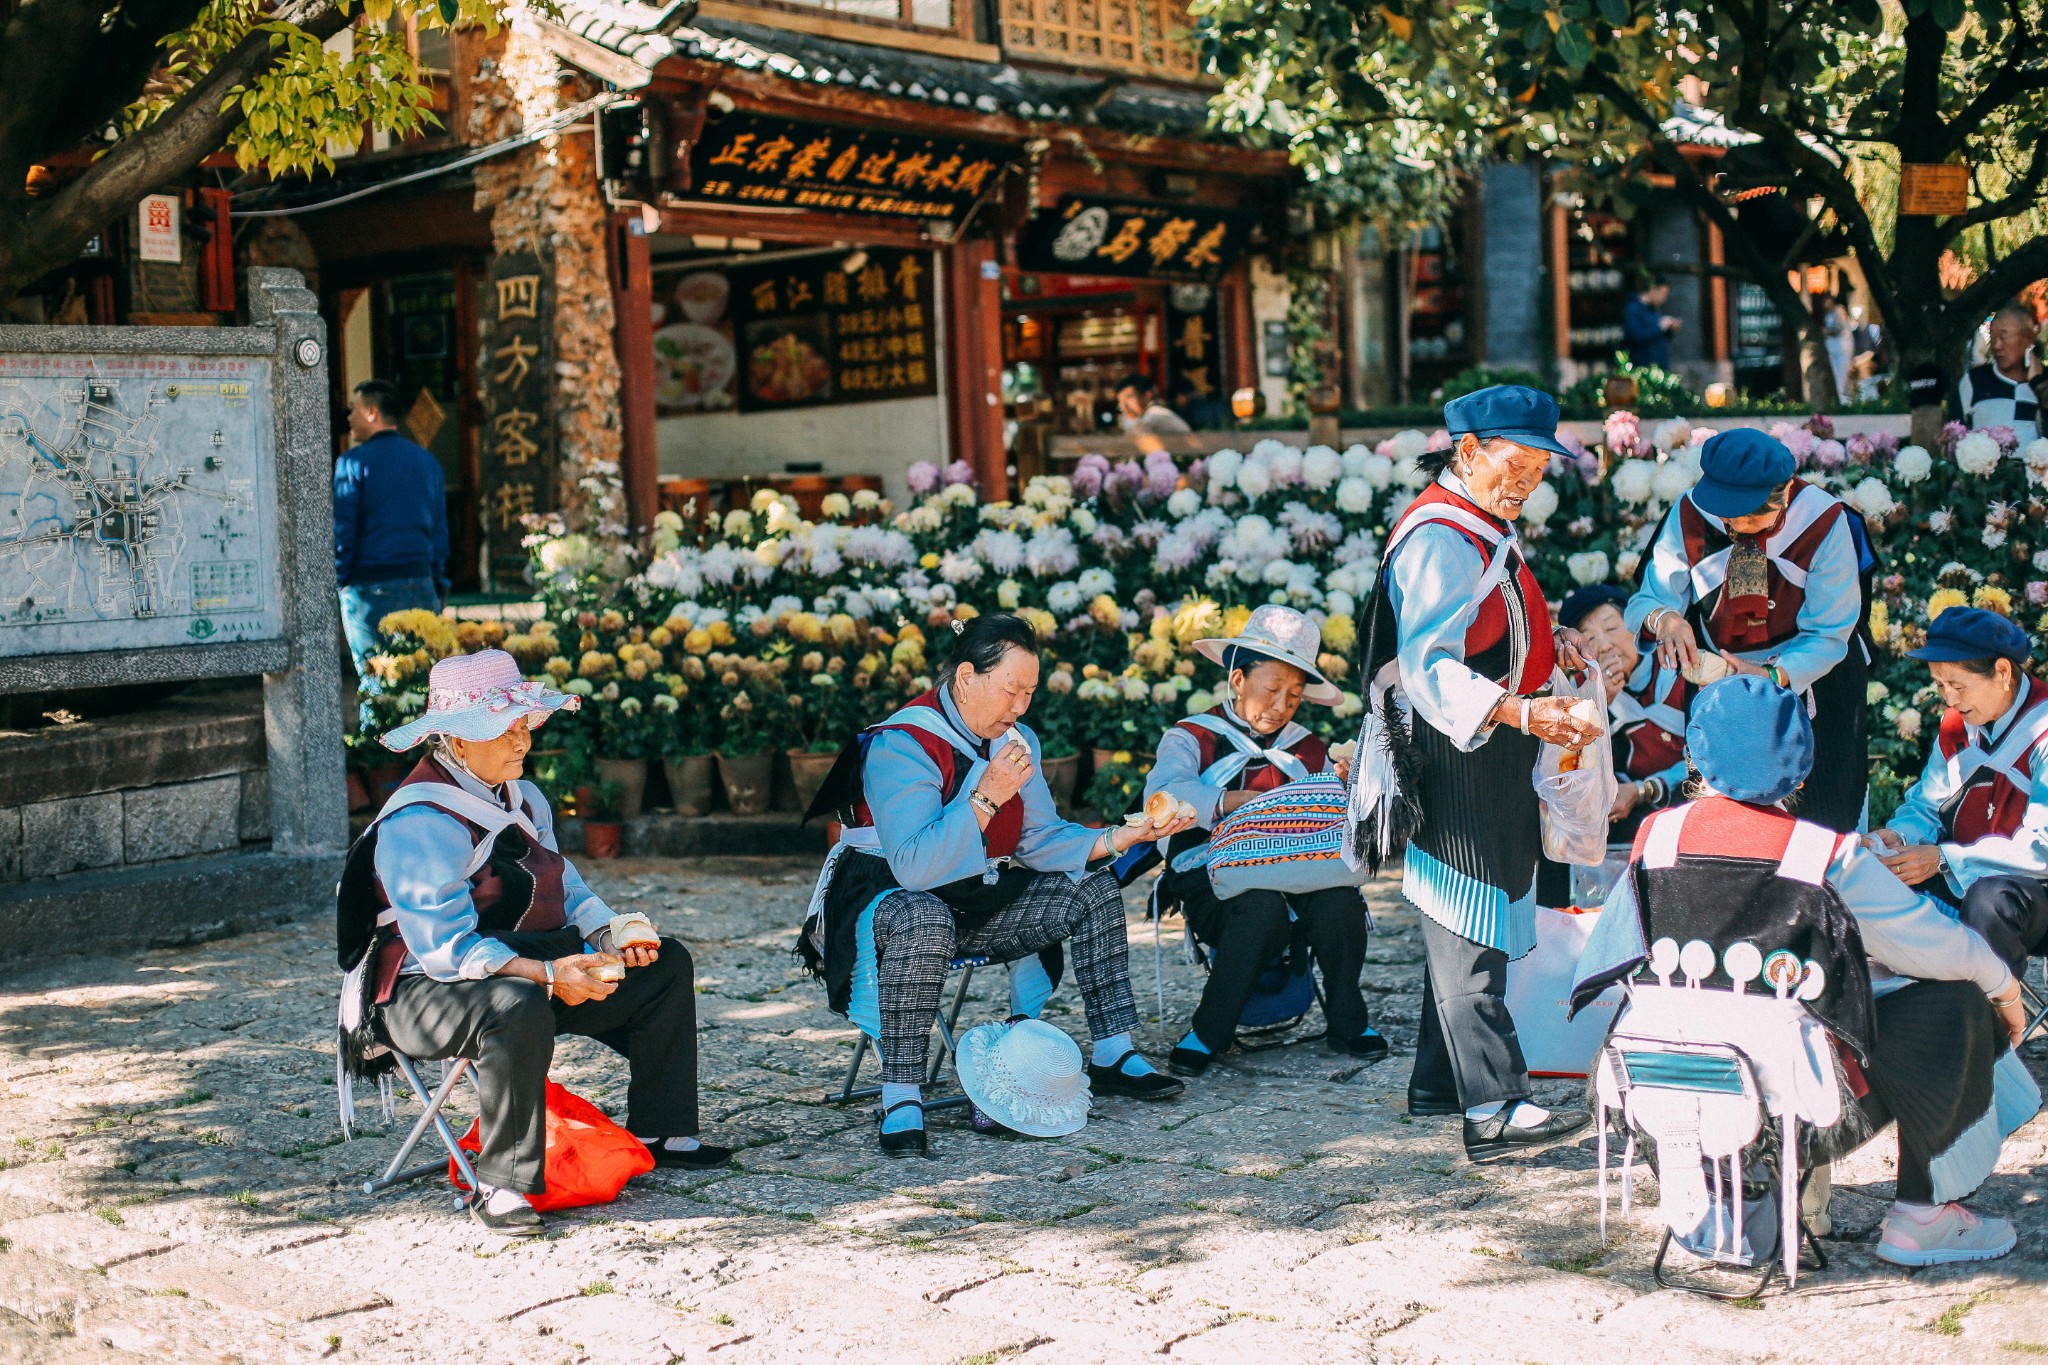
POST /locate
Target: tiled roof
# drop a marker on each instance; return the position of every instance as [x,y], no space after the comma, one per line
[1692,126]
[981,87]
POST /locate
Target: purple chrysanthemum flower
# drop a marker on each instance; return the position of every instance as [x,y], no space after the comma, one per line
[959,472]
[1088,475]
[922,477]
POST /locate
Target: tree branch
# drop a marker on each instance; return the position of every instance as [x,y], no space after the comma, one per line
[2022,198]
[57,228]
[2011,80]
[1994,287]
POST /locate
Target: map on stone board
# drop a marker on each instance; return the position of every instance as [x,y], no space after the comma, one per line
[138,502]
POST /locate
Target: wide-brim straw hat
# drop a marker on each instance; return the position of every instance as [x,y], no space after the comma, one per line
[1026,1076]
[478,697]
[1282,633]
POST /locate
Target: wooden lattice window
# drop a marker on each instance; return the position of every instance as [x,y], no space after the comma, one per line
[1145,36]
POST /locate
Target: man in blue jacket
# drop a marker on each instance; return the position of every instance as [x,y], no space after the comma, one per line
[1645,327]
[390,523]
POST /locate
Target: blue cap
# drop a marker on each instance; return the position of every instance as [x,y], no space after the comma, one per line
[1739,469]
[1524,415]
[1965,633]
[1750,739]
[1580,603]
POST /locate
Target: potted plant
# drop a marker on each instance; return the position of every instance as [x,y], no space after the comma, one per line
[1053,719]
[747,701]
[602,828]
[824,712]
[625,739]
[685,758]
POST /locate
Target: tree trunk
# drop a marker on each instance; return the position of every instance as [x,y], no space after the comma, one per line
[1815,368]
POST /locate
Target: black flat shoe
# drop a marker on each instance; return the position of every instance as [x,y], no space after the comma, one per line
[1111,1080]
[1367,1046]
[907,1141]
[702,1157]
[1187,1061]
[519,1222]
[1424,1105]
[1495,1137]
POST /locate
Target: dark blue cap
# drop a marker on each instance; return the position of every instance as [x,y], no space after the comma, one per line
[1523,415]
[1738,471]
[1750,739]
[1960,634]
[1580,603]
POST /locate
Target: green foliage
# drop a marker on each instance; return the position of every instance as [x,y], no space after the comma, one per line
[1118,785]
[1659,393]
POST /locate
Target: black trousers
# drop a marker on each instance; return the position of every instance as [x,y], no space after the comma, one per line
[1468,1048]
[508,1028]
[1930,1071]
[2010,913]
[1245,932]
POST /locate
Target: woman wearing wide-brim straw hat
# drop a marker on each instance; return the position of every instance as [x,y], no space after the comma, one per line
[1247,744]
[476,938]
[1460,614]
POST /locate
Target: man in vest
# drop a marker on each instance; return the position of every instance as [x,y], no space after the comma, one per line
[1763,569]
[2008,389]
[1973,831]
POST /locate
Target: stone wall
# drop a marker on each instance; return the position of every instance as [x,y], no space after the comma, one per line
[545,198]
[183,778]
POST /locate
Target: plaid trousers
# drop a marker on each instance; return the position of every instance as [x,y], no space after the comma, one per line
[915,939]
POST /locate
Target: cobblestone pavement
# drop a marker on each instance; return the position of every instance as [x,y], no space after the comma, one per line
[175,1188]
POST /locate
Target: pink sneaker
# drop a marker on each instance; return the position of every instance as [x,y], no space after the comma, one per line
[1953,1234]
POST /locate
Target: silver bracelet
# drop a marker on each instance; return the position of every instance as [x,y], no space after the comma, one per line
[548,966]
[1525,715]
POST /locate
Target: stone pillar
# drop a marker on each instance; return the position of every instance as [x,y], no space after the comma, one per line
[302,702]
[545,199]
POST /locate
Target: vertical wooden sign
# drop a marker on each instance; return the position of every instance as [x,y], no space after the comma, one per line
[514,365]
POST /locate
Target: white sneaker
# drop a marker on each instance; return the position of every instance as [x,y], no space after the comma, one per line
[1955,1234]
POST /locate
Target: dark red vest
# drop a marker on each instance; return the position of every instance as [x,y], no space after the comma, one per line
[1751,622]
[1989,803]
[1647,748]
[1258,775]
[1515,608]
[1004,828]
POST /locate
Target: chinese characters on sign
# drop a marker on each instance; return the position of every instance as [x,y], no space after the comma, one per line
[755,159]
[516,462]
[1931,191]
[812,333]
[1135,240]
[1194,349]
[156,222]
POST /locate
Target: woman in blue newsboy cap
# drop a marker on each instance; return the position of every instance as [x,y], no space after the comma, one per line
[1765,569]
[1461,617]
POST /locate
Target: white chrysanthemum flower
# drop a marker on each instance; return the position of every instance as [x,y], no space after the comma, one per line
[1626,563]
[1008,594]
[1672,434]
[1634,482]
[1254,478]
[1410,474]
[1084,521]
[738,524]
[1285,463]
[1872,497]
[1339,603]
[1912,464]
[1994,538]
[1977,454]
[1588,567]
[1223,467]
[1540,505]
[2036,457]
[1321,466]
[1354,495]
[1184,503]
[1064,599]
[1377,470]
[1671,480]
[1354,458]
[1410,444]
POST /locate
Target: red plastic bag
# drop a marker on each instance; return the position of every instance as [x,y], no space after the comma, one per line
[589,1158]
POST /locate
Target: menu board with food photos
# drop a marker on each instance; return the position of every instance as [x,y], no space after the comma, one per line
[809,332]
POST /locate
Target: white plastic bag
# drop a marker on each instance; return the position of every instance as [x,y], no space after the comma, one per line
[1539,996]
[1576,804]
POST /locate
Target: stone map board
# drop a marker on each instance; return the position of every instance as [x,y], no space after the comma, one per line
[138,502]
[166,515]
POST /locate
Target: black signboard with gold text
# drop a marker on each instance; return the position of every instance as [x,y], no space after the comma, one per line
[1194,347]
[749,158]
[1135,239]
[811,333]
[513,369]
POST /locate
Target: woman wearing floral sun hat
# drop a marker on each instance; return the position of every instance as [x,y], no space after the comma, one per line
[1215,762]
[474,937]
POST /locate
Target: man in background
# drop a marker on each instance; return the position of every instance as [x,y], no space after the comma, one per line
[390,523]
[1646,328]
[2008,389]
[1142,414]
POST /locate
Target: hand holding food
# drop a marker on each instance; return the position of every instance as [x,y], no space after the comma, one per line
[577,978]
[1009,768]
[633,937]
[607,968]
[1161,809]
[1706,669]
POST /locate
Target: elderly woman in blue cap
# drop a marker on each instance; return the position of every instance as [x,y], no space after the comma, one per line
[1922,1006]
[1764,571]
[474,937]
[1973,831]
[1461,617]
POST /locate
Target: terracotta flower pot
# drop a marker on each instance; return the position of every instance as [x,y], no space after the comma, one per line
[689,783]
[631,775]
[807,772]
[749,781]
[601,838]
[1060,775]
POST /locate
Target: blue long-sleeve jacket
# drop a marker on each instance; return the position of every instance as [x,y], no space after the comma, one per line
[390,513]
[1642,331]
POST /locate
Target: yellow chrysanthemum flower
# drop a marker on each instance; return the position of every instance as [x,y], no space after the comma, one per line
[1196,619]
[1944,598]
[1991,597]
[1339,634]
[1234,619]
[559,669]
[1880,622]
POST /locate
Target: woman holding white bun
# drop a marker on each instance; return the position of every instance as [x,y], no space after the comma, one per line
[1216,761]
